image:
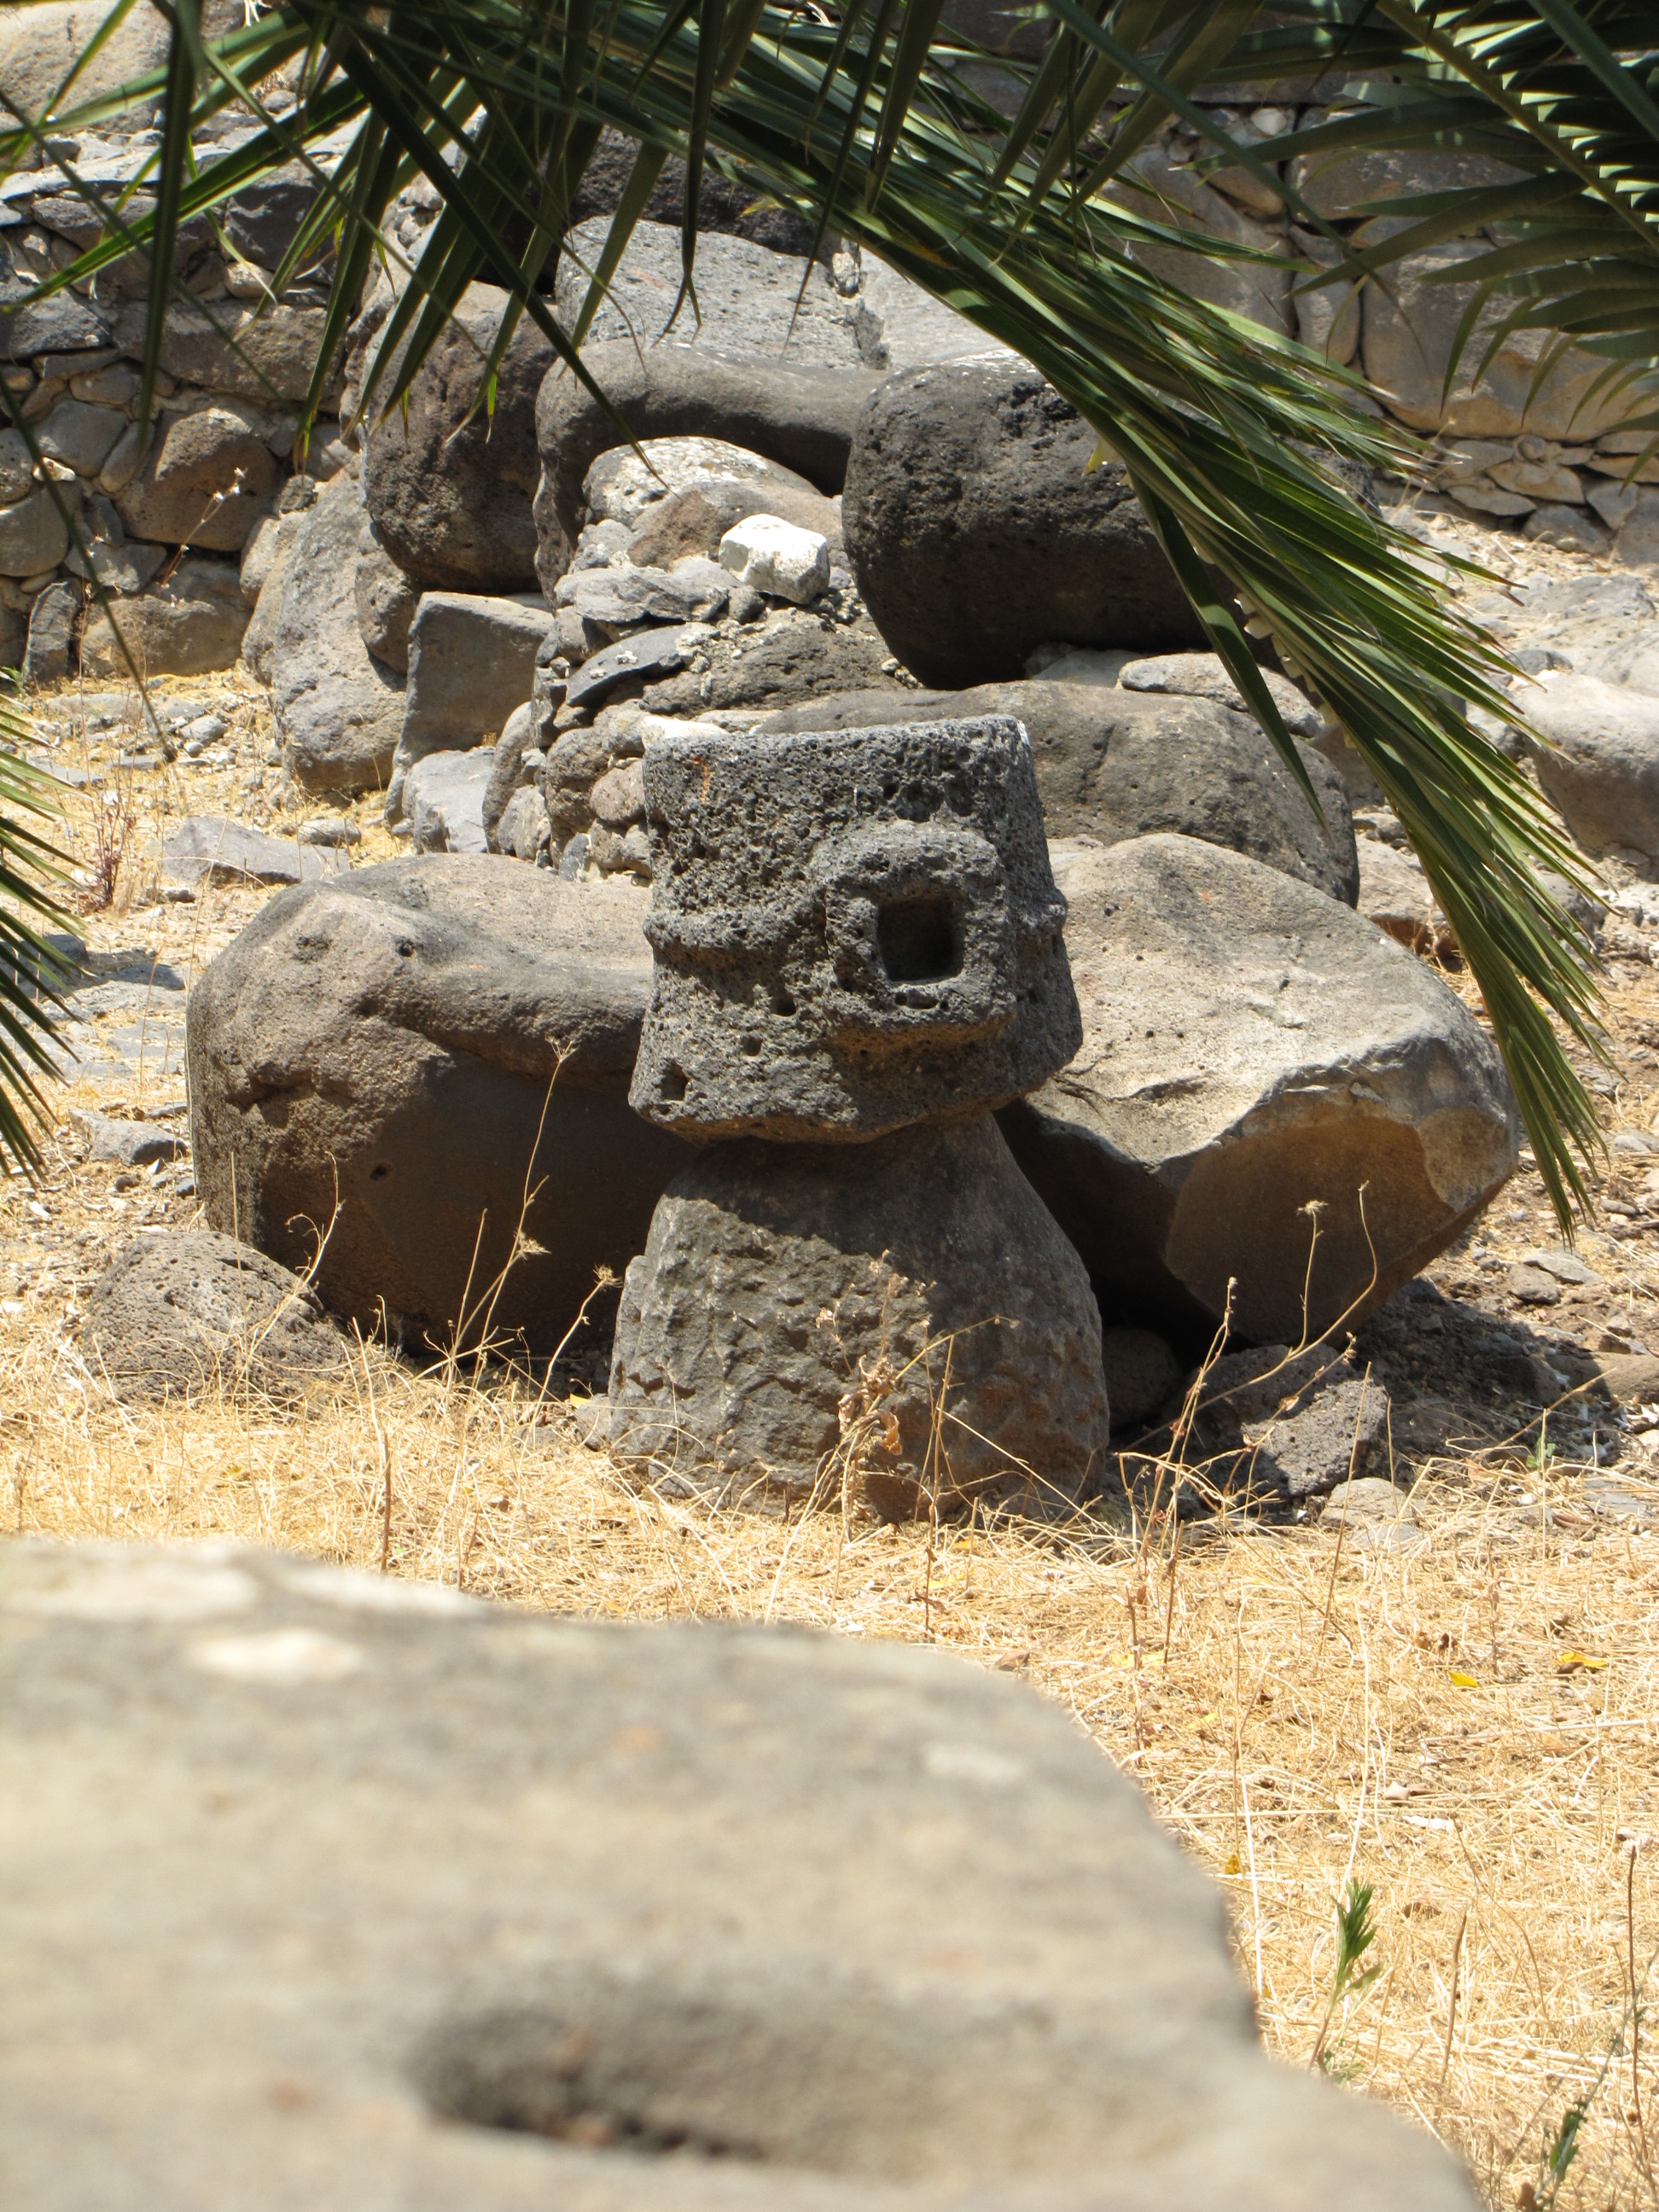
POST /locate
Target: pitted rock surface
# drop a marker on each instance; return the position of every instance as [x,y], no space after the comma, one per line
[1112,764]
[188,1313]
[326,1888]
[776,1275]
[1251,1048]
[851,932]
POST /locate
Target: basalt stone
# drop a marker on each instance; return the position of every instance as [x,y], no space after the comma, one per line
[1251,1048]
[1113,764]
[190,1313]
[978,532]
[1599,760]
[851,931]
[330,1888]
[800,416]
[1276,1426]
[449,482]
[903,1315]
[749,298]
[723,203]
[339,710]
[189,625]
[429,1060]
[792,657]
[183,495]
[386,600]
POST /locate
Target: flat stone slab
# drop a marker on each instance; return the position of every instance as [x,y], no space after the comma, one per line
[651,653]
[209,849]
[129,1144]
[326,1889]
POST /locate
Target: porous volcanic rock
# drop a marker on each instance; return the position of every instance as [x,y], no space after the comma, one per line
[444,796]
[750,300]
[189,1312]
[267,354]
[385,601]
[790,658]
[922,1262]
[851,931]
[207,848]
[183,494]
[723,203]
[339,710]
[471,664]
[332,1888]
[33,535]
[799,415]
[1250,1048]
[1113,764]
[452,504]
[424,1045]
[977,532]
[1273,1427]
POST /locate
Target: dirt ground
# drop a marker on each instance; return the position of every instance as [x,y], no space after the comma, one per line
[1456,1709]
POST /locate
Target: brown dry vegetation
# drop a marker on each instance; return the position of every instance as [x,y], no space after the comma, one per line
[1466,1724]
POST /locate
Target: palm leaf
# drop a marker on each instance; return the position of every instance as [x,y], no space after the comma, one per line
[34,972]
[1233,436]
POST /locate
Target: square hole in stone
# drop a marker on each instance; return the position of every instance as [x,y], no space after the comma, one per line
[920,939]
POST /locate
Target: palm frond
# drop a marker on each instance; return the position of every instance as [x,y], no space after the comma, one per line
[1235,438]
[34,972]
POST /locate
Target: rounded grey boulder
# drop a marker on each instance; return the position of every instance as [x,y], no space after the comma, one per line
[449,489]
[977,531]
[852,931]
[423,1068]
[1599,760]
[903,1314]
[1113,764]
[1252,1050]
[340,710]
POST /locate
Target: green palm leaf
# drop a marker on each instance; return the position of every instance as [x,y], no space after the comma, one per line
[1235,438]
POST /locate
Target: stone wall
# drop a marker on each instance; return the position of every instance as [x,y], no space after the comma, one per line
[167,518]
[186,527]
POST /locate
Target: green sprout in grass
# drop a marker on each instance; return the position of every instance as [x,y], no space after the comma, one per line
[1351,1978]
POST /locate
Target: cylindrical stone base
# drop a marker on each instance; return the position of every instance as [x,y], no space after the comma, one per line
[903,1317]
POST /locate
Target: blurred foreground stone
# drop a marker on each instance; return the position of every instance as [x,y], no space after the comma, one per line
[327,1890]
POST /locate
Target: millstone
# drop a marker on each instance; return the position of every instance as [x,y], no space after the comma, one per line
[852,931]
[903,1316]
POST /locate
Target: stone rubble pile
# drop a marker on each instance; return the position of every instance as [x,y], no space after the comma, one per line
[1265,1076]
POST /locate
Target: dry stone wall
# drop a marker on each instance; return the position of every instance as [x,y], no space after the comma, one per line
[185,528]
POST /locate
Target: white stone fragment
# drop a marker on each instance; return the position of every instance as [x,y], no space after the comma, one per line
[777,557]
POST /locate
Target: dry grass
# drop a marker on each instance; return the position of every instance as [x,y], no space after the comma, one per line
[1468,1728]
